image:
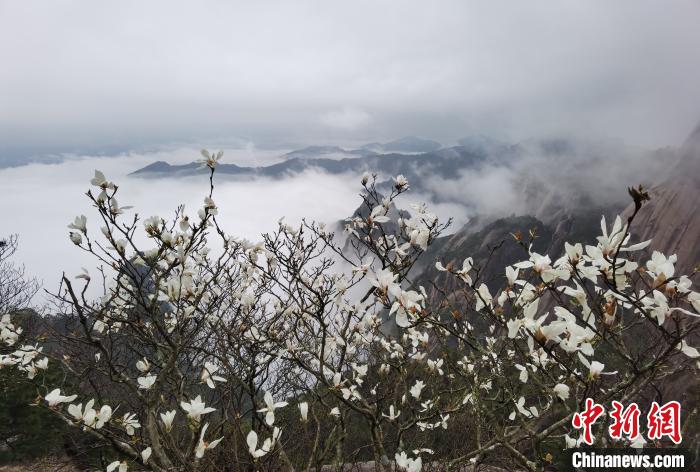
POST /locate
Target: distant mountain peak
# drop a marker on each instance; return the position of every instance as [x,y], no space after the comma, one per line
[328,152]
[411,144]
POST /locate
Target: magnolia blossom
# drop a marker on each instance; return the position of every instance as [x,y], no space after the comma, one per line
[146,454]
[542,265]
[143,365]
[436,366]
[383,280]
[79,224]
[527,412]
[167,419]
[304,411]
[662,266]
[210,160]
[408,464]
[89,416]
[400,182]
[130,423]
[417,389]
[270,406]
[146,382]
[268,444]
[688,350]
[562,391]
[120,466]
[196,408]
[202,445]
[54,397]
[208,376]
[393,414]
[407,302]
[99,180]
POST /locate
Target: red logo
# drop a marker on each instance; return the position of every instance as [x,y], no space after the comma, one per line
[662,421]
[586,419]
[665,421]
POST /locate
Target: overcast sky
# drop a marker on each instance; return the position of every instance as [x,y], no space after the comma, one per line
[92,75]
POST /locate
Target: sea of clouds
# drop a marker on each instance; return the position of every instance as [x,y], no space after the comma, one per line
[40,200]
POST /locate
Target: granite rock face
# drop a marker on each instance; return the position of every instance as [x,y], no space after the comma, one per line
[672,217]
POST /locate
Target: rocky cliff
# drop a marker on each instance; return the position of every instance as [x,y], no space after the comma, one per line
[672,217]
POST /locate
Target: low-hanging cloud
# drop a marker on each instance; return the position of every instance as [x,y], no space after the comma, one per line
[78,73]
[547,183]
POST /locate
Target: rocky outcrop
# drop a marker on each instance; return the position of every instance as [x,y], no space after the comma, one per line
[672,218]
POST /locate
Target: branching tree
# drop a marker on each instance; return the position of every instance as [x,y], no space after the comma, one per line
[16,289]
[307,349]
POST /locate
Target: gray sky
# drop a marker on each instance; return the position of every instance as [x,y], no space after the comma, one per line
[90,75]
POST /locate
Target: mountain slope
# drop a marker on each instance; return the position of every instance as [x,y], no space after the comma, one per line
[672,217]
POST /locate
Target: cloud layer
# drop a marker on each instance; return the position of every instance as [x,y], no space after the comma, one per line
[40,200]
[78,74]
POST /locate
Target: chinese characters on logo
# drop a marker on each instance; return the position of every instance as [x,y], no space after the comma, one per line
[664,420]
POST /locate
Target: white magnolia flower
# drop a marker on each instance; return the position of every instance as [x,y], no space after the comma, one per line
[146,454]
[210,160]
[270,406]
[79,224]
[393,414]
[400,182]
[688,350]
[542,265]
[527,412]
[660,265]
[208,376]
[417,389]
[378,215]
[268,444]
[86,415]
[118,466]
[511,275]
[484,299]
[573,252]
[143,365]
[146,382]
[115,209]
[335,411]
[99,180]
[404,462]
[571,442]
[196,408]
[130,423]
[562,391]
[523,372]
[595,369]
[103,416]
[304,411]
[383,280]
[464,272]
[202,445]
[407,301]
[54,397]
[167,419]
[436,366]
[76,238]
